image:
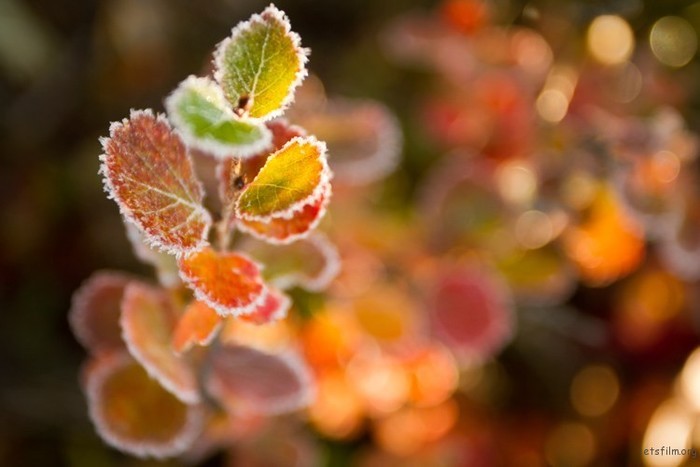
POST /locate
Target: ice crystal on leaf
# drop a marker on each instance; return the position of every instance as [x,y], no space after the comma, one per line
[228,282]
[260,65]
[149,391]
[150,175]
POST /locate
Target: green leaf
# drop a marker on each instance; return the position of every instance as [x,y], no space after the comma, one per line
[293,177]
[206,121]
[260,64]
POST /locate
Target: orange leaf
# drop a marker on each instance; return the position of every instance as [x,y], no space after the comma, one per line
[246,380]
[608,245]
[230,283]
[147,321]
[95,309]
[198,325]
[274,308]
[283,230]
[149,174]
[133,413]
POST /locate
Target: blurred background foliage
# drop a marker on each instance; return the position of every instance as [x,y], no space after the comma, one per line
[67,68]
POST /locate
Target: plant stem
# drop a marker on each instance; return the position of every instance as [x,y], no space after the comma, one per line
[229,195]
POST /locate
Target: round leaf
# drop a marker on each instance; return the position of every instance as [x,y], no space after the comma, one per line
[230,283]
[133,413]
[249,380]
[95,309]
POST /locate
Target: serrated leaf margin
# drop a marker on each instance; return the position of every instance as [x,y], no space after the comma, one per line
[124,210]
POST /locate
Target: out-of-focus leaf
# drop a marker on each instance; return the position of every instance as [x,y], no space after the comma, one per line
[367,369]
[95,309]
[147,321]
[608,245]
[260,64]
[282,230]
[198,325]
[461,205]
[294,446]
[230,283]
[538,277]
[433,374]
[388,314]
[291,178]
[149,174]
[363,138]
[247,380]
[466,16]
[132,411]
[330,339]
[470,312]
[274,308]
[273,337]
[311,263]
[338,411]
[406,432]
[200,111]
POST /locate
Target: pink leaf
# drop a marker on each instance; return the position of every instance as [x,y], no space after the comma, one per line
[95,309]
[248,380]
[471,313]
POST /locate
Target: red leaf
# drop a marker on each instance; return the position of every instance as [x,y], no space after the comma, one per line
[246,380]
[230,283]
[149,174]
[133,413]
[471,313]
[274,308]
[283,230]
[198,325]
[147,321]
[95,309]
